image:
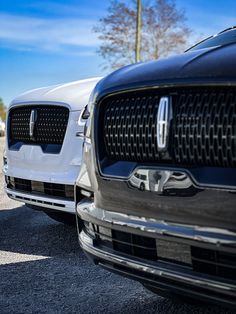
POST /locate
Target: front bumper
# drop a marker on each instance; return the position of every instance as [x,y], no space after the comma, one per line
[172,276]
[42,201]
[30,163]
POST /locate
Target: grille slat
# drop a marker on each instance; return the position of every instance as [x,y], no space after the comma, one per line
[130,129]
[50,125]
[202,131]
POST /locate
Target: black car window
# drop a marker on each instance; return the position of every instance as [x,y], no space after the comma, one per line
[221,39]
[143,177]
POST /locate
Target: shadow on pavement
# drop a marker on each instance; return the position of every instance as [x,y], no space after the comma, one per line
[64,281]
[27,231]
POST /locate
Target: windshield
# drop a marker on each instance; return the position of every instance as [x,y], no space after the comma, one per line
[221,39]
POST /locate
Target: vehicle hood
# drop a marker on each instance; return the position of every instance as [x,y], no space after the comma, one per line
[75,94]
[209,65]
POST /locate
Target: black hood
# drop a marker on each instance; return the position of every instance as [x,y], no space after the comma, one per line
[217,64]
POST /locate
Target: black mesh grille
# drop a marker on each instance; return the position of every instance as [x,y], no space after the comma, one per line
[134,245]
[202,131]
[50,125]
[216,263]
[41,188]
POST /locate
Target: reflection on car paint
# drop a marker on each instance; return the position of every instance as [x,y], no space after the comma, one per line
[163,182]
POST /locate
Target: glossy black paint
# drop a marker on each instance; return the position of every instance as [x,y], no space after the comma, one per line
[212,67]
[216,65]
[210,199]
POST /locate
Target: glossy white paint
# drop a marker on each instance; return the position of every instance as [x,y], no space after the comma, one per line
[74,94]
[31,163]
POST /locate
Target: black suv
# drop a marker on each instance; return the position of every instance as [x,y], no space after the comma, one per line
[159,173]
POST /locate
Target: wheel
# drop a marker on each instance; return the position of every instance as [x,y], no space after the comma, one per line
[142,187]
[65,218]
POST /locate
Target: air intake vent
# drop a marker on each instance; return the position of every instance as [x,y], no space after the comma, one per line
[41,188]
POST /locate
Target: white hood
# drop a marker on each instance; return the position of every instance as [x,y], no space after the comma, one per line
[75,94]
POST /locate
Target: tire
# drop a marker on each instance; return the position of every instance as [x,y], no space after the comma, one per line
[142,187]
[65,218]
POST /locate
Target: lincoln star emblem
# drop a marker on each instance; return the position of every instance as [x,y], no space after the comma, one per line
[33,118]
[164,116]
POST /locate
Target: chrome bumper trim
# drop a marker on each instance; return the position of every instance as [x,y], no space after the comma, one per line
[87,211]
[86,242]
[41,201]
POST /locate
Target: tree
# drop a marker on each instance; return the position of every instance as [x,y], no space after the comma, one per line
[2,110]
[117,35]
[165,30]
[138,31]
[162,30]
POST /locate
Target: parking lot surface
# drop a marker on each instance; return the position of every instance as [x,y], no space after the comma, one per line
[43,270]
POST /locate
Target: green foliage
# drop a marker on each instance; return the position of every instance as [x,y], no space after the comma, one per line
[3,110]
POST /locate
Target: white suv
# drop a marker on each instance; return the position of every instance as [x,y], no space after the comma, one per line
[44,142]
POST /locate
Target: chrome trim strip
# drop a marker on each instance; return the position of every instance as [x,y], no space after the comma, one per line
[164,115]
[34,102]
[157,85]
[33,119]
[45,202]
[87,245]
[87,211]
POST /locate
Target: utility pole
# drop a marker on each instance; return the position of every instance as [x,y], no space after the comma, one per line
[138,31]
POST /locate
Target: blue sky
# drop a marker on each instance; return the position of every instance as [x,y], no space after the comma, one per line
[51,41]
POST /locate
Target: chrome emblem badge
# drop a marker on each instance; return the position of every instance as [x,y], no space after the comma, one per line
[33,118]
[164,117]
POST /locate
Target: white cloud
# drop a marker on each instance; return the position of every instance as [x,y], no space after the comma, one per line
[48,34]
[68,8]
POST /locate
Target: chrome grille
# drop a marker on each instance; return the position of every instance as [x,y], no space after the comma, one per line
[202,131]
[130,128]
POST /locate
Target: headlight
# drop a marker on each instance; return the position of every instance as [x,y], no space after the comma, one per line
[88,113]
[4,159]
[84,115]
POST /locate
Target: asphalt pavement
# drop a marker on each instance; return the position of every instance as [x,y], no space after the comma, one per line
[43,270]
